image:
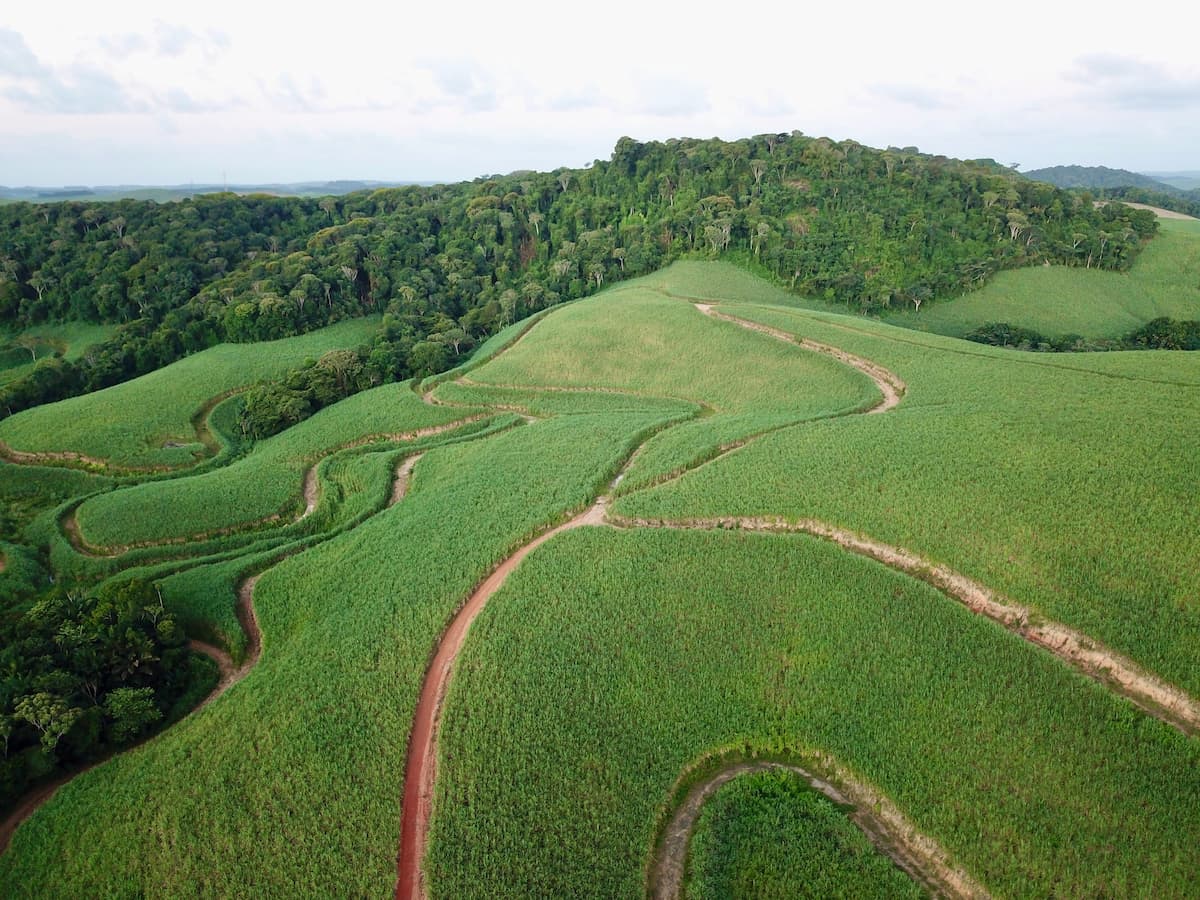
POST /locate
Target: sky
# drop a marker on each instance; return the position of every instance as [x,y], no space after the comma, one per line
[172,93]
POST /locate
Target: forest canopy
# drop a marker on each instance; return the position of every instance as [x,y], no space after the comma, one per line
[449,264]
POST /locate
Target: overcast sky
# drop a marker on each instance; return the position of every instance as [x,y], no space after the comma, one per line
[126,92]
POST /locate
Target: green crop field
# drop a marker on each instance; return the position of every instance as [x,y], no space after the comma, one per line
[1004,466]
[1057,300]
[267,482]
[618,661]
[636,339]
[19,353]
[147,422]
[648,649]
[768,834]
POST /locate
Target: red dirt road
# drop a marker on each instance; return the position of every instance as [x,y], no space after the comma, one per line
[421,769]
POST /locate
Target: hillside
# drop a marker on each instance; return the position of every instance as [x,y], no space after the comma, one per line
[521,628]
[1098,177]
[452,264]
[1056,300]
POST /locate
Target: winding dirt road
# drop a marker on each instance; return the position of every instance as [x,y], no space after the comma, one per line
[421,768]
[310,491]
[877,817]
[874,813]
[200,424]
[229,673]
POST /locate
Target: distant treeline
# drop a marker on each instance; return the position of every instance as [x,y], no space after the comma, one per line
[449,264]
[1159,334]
[1187,203]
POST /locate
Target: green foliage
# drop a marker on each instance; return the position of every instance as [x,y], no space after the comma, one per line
[615,659]
[267,482]
[768,834]
[1166,334]
[612,660]
[85,673]
[284,746]
[635,339]
[148,421]
[1004,466]
[131,711]
[837,220]
[1058,301]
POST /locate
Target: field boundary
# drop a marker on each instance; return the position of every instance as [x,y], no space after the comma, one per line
[310,494]
[885,826]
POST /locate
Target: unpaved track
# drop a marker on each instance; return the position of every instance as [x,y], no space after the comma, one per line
[403,474]
[71,459]
[229,676]
[421,767]
[887,828]
[1154,696]
[310,490]
[229,673]
[918,854]
[888,382]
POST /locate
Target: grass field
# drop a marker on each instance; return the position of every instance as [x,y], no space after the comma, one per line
[267,482]
[647,649]
[614,659]
[1057,301]
[1003,465]
[70,340]
[147,422]
[637,340]
[768,834]
[312,742]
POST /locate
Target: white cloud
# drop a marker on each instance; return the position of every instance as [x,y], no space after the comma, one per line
[455,90]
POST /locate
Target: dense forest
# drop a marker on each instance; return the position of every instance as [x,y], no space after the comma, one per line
[449,264]
[85,672]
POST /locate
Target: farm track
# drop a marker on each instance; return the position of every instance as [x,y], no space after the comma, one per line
[1120,674]
[229,672]
[918,854]
[70,459]
[925,861]
[310,493]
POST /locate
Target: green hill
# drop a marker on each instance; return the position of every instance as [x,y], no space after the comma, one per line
[824,540]
[1057,300]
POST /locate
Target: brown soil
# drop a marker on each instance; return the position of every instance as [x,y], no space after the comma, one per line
[421,768]
[888,382]
[72,459]
[1157,210]
[916,853]
[311,492]
[248,619]
[1156,697]
[403,473]
[29,804]
[887,828]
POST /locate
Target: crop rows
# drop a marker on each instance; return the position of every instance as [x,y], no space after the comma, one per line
[147,422]
[646,649]
[768,834]
[1022,488]
[265,483]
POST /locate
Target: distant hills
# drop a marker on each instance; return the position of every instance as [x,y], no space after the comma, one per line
[1185,181]
[179,191]
[1099,177]
[1178,191]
